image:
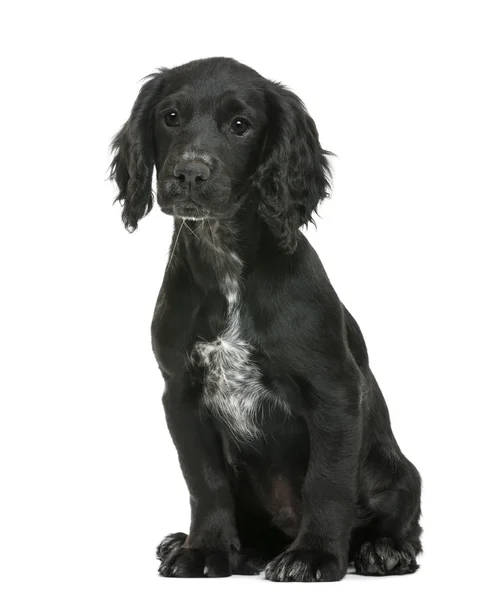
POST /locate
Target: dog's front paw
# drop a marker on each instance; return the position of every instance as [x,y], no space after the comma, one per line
[306,565]
[386,557]
[170,543]
[195,562]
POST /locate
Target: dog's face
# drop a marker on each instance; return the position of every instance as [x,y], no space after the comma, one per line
[207,135]
[219,135]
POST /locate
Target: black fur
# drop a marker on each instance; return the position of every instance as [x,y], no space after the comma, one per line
[323,482]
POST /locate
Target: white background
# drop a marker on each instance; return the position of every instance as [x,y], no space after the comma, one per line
[403,93]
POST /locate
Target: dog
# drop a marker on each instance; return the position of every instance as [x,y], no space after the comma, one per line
[282,433]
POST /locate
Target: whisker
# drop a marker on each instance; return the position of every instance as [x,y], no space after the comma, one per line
[184,222]
[175,245]
[211,231]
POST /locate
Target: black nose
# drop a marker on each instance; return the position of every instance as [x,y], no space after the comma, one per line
[191,172]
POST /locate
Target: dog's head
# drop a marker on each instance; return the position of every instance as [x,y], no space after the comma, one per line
[220,135]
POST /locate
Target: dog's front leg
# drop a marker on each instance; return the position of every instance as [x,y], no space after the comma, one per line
[211,548]
[320,550]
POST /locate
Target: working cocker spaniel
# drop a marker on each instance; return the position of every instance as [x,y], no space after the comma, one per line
[282,433]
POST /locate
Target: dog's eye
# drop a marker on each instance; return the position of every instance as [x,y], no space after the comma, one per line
[172,118]
[239,126]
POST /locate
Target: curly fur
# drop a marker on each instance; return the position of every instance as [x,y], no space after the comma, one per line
[294,174]
[133,161]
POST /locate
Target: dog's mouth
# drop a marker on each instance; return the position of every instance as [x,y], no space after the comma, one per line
[188,209]
[177,202]
[184,205]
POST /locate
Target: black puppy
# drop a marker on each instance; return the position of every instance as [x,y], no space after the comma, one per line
[282,432]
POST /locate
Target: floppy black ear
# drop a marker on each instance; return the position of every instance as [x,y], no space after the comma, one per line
[294,174]
[132,164]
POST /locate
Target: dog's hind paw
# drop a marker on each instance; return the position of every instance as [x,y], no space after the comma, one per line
[385,557]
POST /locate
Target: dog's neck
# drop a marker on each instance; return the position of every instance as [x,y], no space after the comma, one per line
[215,249]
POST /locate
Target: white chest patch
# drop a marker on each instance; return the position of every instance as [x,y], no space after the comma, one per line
[232,387]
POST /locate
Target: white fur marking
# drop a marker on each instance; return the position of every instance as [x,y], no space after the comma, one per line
[195,155]
[233,387]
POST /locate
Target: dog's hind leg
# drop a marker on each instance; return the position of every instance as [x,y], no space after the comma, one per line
[387,541]
[390,542]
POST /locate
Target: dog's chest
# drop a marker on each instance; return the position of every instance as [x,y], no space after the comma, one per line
[232,388]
